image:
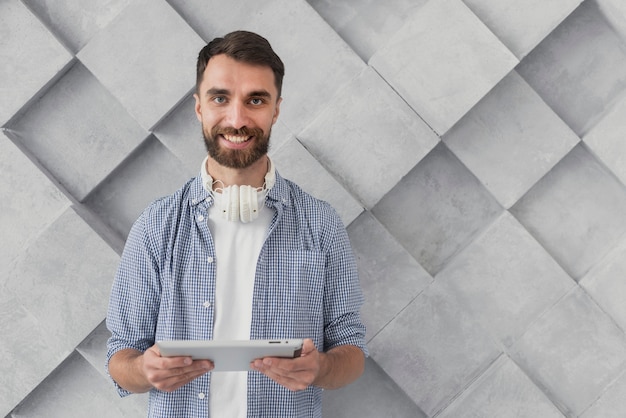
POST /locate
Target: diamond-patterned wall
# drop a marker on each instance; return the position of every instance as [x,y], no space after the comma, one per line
[476,150]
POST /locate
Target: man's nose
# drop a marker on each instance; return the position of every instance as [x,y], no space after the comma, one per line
[237,115]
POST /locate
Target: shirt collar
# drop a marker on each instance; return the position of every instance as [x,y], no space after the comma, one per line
[278,195]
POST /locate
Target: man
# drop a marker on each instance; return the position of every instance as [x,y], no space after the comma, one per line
[237,253]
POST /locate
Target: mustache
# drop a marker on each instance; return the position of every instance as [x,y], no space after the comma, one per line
[243,131]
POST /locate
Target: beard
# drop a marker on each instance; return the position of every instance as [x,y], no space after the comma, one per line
[234,158]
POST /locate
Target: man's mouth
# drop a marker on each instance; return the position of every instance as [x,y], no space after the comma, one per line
[236,139]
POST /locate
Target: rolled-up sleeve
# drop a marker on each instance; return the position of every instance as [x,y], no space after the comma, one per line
[343,297]
[135,295]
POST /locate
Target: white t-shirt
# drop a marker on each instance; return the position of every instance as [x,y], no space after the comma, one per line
[237,248]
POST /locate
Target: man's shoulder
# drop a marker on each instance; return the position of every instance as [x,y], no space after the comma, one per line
[170,206]
[315,210]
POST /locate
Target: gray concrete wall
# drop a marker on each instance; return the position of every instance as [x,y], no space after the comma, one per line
[474,148]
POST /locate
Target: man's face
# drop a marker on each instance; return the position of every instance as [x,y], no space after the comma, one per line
[237,105]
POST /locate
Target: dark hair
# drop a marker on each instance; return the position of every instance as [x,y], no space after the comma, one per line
[242,46]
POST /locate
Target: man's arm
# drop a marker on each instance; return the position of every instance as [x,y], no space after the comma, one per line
[140,372]
[331,370]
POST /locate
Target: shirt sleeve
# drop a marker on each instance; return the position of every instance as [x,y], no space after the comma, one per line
[343,296]
[133,304]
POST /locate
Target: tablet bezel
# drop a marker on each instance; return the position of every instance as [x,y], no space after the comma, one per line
[231,355]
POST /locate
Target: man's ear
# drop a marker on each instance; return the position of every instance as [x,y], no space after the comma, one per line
[277,110]
[198,107]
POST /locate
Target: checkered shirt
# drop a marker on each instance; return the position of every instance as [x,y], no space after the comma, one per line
[306,286]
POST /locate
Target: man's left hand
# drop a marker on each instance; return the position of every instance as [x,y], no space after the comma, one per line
[294,374]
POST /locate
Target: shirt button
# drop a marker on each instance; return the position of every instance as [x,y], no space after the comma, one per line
[200,218]
[201,395]
[207,304]
[210,259]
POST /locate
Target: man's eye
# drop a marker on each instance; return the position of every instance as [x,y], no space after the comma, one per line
[256,102]
[219,100]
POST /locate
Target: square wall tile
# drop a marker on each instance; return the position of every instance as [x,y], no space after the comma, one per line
[612,403]
[76,21]
[146,57]
[606,284]
[502,391]
[367,152]
[76,390]
[181,133]
[30,56]
[615,13]
[518,24]
[576,211]
[580,68]
[437,209]
[373,395]
[389,276]
[505,279]
[432,349]
[94,348]
[70,131]
[25,350]
[510,139]
[64,279]
[457,60]
[295,163]
[317,61]
[25,195]
[366,26]
[606,140]
[151,172]
[574,351]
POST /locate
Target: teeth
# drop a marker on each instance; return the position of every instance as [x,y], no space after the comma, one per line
[236,139]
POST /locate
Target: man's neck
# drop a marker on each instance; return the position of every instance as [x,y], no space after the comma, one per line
[253,175]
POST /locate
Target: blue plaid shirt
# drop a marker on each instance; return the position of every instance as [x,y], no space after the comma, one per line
[306,286]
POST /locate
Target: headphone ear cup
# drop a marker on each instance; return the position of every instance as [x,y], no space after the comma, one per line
[248,204]
[230,208]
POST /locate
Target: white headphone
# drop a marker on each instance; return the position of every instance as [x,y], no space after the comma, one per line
[239,202]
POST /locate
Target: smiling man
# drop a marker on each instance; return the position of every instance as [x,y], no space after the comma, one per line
[237,253]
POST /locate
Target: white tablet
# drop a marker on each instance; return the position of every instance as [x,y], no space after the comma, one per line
[231,355]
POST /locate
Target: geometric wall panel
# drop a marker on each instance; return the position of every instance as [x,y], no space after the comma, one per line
[473,148]
[293,161]
[69,131]
[407,139]
[506,274]
[390,277]
[576,212]
[606,140]
[29,54]
[145,57]
[506,159]
[517,23]
[573,364]
[502,391]
[448,349]
[121,197]
[444,204]
[366,26]
[76,22]
[451,46]
[580,68]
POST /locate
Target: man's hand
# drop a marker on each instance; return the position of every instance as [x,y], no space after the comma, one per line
[137,372]
[330,370]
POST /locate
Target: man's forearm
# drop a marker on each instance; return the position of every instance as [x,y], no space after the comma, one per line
[340,366]
[125,369]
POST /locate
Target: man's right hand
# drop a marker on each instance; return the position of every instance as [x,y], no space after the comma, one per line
[138,373]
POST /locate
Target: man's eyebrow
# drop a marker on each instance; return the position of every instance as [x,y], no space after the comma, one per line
[260,93]
[215,90]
